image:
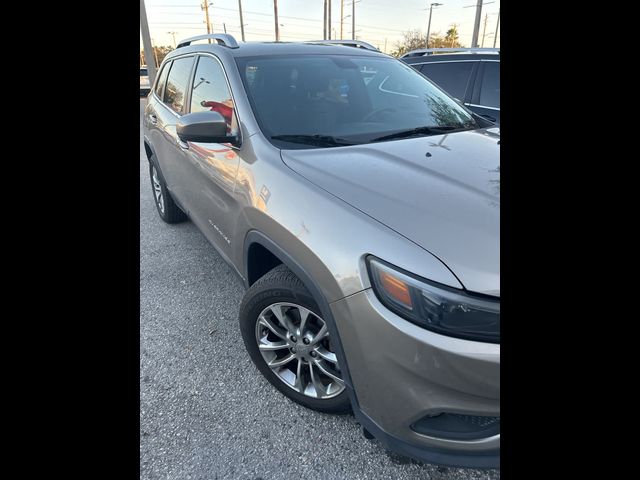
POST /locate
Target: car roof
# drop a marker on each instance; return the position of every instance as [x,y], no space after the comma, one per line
[250,49]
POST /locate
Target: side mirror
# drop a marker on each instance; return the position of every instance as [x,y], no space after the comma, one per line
[206,127]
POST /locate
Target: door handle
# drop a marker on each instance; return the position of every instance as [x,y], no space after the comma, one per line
[153,119]
[181,144]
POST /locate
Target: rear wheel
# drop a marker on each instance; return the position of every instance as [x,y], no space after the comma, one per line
[290,344]
[167,208]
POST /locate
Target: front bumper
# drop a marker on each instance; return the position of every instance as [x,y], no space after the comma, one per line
[402,373]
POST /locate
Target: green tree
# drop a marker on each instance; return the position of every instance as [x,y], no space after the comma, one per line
[451,37]
[414,39]
[159,52]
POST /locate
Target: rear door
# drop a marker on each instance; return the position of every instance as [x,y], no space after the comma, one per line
[168,149]
[453,76]
[486,96]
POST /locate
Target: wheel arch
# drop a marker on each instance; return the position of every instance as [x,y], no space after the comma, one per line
[255,238]
[152,157]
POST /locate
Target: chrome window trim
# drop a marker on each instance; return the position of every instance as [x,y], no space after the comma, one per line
[177,57]
[154,87]
[453,61]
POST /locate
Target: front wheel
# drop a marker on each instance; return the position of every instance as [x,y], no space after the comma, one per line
[290,344]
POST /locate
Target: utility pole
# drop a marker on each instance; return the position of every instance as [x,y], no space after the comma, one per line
[241,21]
[476,25]
[385,44]
[353,19]
[146,43]
[329,16]
[341,18]
[155,53]
[324,20]
[224,26]
[205,6]
[495,36]
[174,38]
[484,30]
[275,14]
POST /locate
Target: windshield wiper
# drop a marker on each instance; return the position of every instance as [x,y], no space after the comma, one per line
[318,140]
[417,131]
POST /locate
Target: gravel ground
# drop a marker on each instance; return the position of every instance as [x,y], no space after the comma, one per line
[205,410]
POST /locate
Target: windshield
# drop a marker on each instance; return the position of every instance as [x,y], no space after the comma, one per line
[320,101]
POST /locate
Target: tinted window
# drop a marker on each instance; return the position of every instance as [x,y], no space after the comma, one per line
[162,79]
[210,92]
[143,72]
[354,99]
[490,89]
[177,83]
[452,77]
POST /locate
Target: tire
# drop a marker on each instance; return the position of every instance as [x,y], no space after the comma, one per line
[167,208]
[280,286]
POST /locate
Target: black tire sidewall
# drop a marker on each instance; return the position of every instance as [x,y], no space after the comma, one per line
[255,302]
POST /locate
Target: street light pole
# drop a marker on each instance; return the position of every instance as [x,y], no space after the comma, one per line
[429,26]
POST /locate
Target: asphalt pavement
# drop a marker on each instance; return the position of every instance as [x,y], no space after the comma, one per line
[205,410]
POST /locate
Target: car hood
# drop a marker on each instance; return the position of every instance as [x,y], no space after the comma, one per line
[441,192]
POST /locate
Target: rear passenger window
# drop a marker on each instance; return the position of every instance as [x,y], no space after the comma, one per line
[211,92]
[452,77]
[177,83]
[162,79]
[490,89]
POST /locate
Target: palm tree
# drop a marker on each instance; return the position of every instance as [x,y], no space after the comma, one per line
[452,36]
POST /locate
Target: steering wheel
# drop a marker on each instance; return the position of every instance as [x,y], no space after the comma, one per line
[377,111]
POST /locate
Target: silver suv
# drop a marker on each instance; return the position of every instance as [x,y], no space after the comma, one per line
[359,204]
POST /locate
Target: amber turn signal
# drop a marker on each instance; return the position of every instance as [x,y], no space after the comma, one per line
[396,289]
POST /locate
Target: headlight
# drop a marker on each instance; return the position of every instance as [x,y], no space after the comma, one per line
[436,307]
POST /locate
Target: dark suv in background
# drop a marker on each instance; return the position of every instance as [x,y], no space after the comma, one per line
[471,75]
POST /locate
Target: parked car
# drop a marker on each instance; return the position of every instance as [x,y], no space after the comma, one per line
[144,80]
[472,75]
[362,219]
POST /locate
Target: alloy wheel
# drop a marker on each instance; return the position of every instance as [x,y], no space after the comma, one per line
[295,344]
[157,190]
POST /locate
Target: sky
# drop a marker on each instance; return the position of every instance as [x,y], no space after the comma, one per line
[380,22]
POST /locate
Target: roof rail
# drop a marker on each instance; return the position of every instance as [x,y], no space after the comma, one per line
[223,39]
[346,43]
[431,51]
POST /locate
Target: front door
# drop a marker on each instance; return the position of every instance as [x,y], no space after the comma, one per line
[210,169]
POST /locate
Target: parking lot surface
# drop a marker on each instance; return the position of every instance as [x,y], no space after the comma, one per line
[205,410]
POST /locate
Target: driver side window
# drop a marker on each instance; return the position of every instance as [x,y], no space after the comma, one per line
[210,92]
